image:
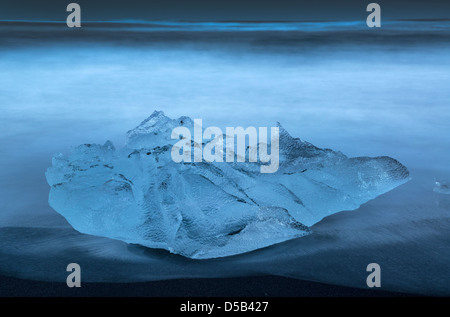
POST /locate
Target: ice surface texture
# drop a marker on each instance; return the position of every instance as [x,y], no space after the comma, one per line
[138,194]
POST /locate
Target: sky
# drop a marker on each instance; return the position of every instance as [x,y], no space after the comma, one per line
[222,10]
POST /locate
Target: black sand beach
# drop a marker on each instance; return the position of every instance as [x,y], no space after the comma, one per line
[264,286]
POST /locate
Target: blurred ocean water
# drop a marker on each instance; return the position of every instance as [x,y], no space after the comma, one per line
[339,85]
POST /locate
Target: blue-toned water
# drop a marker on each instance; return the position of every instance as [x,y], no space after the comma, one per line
[337,85]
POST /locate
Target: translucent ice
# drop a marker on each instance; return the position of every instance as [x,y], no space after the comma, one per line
[138,194]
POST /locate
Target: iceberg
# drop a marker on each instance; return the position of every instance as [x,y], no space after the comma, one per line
[201,210]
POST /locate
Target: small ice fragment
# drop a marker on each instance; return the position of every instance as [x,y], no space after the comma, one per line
[442,188]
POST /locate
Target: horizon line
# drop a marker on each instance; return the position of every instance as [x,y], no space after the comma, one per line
[141,21]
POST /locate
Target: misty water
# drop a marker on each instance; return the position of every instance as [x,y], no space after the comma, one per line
[364,92]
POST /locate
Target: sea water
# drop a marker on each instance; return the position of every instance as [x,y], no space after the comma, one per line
[338,85]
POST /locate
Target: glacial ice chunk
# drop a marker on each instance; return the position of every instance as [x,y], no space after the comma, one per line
[138,194]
